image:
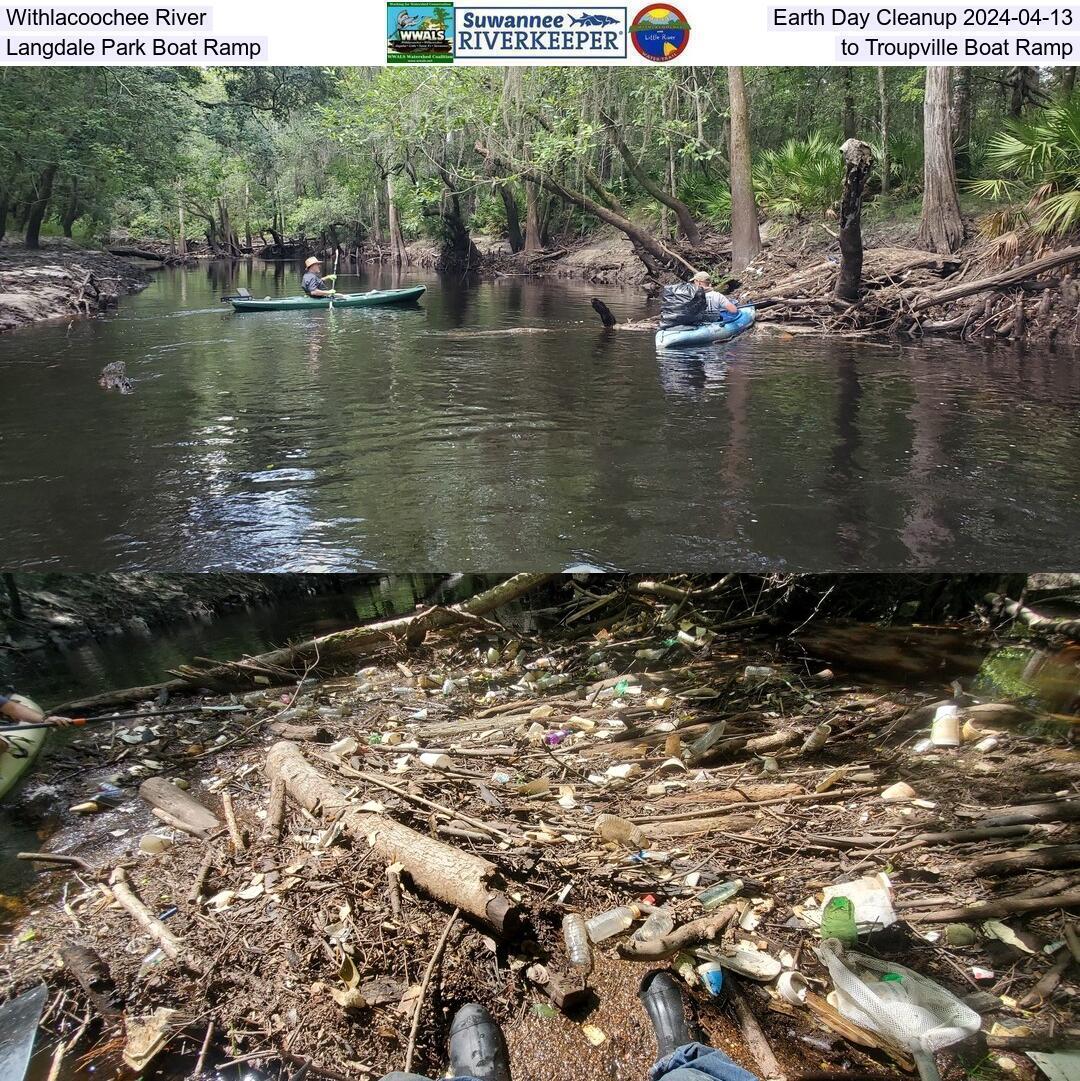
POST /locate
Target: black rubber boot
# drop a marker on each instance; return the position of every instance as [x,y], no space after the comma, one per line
[477,1046]
[663,1002]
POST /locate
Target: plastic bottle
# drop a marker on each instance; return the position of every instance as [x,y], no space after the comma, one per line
[576,938]
[719,893]
[658,923]
[890,988]
[756,673]
[945,730]
[609,924]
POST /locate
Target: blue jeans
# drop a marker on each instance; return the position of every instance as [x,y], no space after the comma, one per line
[696,1062]
[691,1062]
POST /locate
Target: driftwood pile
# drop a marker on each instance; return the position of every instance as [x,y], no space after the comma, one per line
[348,859]
[910,293]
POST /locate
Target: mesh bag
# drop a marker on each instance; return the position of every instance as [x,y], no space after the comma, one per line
[931,1017]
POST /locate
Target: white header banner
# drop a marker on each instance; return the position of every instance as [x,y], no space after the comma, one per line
[702,32]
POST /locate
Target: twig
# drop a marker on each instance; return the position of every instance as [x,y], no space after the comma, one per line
[201,1061]
[235,835]
[439,947]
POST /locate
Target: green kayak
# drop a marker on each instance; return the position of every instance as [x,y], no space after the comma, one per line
[374,299]
[22,749]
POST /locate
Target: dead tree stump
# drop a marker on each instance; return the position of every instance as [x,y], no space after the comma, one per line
[858,161]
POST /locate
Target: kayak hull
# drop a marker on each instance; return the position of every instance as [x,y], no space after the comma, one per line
[25,747]
[378,298]
[707,333]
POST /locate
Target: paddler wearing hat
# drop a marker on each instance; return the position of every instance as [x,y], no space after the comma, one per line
[313,284]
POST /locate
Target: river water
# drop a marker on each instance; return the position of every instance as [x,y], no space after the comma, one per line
[497,426]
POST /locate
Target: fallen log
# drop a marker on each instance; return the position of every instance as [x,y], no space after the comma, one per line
[1033,619]
[1014,276]
[285,664]
[992,910]
[455,877]
[163,795]
[93,976]
[1057,811]
[1026,859]
[760,1049]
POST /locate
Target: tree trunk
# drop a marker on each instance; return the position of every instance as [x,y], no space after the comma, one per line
[534,241]
[745,235]
[858,161]
[4,204]
[646,246]
[398,252]
[962,127]
[513,219]
[39,206]
[883,101]
[1023,81]
[71,213]
[14,599]
[942,227]
[848,119]
[455,877]
[1068,82]
[181,235]
[687,226]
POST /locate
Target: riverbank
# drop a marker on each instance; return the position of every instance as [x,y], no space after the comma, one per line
[62,610]
[467,746]
[60,280]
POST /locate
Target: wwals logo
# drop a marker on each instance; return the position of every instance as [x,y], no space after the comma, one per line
[419,33]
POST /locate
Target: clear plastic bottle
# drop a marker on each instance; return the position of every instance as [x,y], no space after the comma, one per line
[658,923]
[609,924]
[719,893]
[576,938]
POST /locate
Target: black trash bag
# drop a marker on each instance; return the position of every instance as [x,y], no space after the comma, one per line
[682,305]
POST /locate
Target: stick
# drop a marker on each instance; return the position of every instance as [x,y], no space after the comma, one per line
[201,1061]
[393,888]
[756,1040]
[170,945]
[691,934]
[992,910]
[199,884]
[230,820]
[58,858]
[175,823]
[275,811]
[439,946]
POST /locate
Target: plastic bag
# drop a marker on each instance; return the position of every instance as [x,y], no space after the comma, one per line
[682,305]
[931,1017]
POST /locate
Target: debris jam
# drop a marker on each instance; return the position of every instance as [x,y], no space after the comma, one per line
[306,869]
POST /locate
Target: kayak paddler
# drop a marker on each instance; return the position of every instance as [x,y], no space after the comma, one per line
[313,284]
[14,713]
[715,301]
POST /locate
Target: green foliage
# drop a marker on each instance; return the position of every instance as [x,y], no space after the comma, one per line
[1039,157]
[804,177]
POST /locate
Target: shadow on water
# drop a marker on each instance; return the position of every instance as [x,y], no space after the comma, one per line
[496,424]
[51,676]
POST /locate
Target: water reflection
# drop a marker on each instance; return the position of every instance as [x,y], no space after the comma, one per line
[497,425]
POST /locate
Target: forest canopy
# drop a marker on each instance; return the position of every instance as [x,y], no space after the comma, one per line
[280,159]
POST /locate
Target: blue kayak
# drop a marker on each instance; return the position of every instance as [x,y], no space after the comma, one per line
[731,326]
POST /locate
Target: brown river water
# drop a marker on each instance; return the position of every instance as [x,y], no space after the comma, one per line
[440,435]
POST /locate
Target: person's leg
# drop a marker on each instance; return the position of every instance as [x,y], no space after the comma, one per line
[696,1062]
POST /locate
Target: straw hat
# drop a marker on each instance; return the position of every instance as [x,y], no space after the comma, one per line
[311,261]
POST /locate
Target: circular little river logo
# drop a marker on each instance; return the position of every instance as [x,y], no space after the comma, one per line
[660,32]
